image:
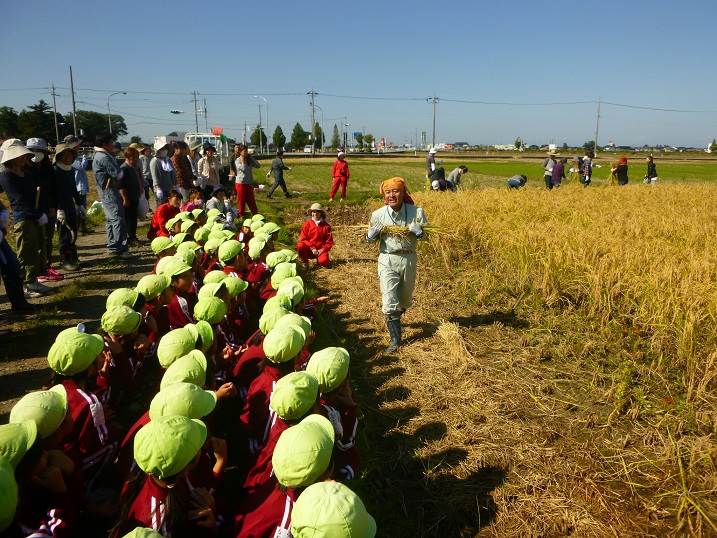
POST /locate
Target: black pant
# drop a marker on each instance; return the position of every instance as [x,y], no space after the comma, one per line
[278,183]
[12,275]
[130,219]
[548,181]
[68,237]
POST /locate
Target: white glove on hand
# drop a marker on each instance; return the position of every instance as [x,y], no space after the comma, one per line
[4,218]
[229,216]
[158,193]
[374,232]
[415,229]
[60,216]
[42,220]
[196,183]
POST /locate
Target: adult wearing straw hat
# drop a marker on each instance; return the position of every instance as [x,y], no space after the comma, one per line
[315,238]
[548,165]
[397,258]
[67,199]
[162,171]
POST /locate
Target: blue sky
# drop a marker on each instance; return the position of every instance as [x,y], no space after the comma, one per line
[656,53]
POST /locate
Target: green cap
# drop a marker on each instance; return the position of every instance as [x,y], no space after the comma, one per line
[163,264]
[74,351]
[268,319]
[188,256]
[174,266]
[213,289]
[186,225]
[210,309]
[196,213]
[188,245]
[152,286]
[165,446]
[180,238]
[191,368]
[184,215]
[260,236]
[303,452]
[275,258]
[218,227]
[235,285]
[213,212]
[120,320]
[230,234]
[330,366]
[229,250]
[201,332]
[330,509]
[291,289]
[173,345]
[161,243]
[282,271]
[282,345]
[294,320]
[142,532]
[212,244]
[8,495]
[296,279]
[258,218]
[278,301]
[270,228]
[122,297]
[182,399]
[291,255]
[15,440]
[171,222]
[246,223]
[255,250]
[294,394]
[255,225]
[201,235]
[46,408]
[214,277]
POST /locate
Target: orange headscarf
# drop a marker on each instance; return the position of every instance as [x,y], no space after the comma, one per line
[393,183]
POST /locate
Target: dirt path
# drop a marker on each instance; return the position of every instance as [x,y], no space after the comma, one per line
[80,297]
[471,429]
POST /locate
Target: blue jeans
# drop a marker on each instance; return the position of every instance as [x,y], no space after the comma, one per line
[11,275]
[114,221]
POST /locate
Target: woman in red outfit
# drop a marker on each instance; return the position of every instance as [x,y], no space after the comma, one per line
[340,174]
[315,238]
[163,214]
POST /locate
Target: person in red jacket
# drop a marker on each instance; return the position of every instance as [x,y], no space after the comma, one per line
[340,174]
[315,238]
[164,212]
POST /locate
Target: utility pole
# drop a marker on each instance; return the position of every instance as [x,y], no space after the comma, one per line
[54,106]
[433,100]
[243,135]
[196,116]
[597,125]
[206,121]
[258,128]
[74,111]
[312,93]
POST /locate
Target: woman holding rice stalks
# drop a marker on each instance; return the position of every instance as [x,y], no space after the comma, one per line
[398,225]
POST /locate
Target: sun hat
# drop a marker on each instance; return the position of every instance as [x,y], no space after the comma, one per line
[330,509]
[268,319]
[136,145]
[174,344]
[317,207]
[159,144]
[329,366]
[214,276]
[282,345]
[212,244]
[46,408]
[341,154]
[121,320]
[291,289]
[37,144]
[201,235]
[235,285]
[191,368]
[14,150]
[202,333]
[160,244]
[72,140]
[123,297]
[212,289]
[269,228]
[165,446]
[303,452]
[256,224]
[258,217]
[74,351]
[432,151]
[294,395]
[16,439]
[294,320]
[142,532]
[8,495]
[278,301]
[282,271]
[229,250]
[195,145]
[174,266]
[59,148]
[182,399]
[152,286]
[210,309]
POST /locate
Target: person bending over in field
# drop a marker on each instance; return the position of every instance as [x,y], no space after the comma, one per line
[517,182]
[456,175]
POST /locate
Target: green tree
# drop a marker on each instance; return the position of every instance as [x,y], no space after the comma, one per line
[335,137]
[38,121]
[518,143]
[318,138]
[135,140]
[713,145]
[359,140]
[258,135]
[299,137]
[368,141]
[8,122]
[589,145]
[278,138]
[92,123]
[565,145]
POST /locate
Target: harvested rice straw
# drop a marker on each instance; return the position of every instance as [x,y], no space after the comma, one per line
[395,230]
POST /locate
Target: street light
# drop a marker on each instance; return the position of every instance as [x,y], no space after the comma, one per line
[266,102]
[323,135]
[109,113]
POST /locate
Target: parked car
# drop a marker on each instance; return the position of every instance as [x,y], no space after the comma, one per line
[308,149]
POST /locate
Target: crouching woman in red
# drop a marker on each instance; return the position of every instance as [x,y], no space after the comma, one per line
[315,238]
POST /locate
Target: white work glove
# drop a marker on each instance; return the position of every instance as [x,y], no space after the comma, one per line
[229,216]
[158,193]
[415,229]
[42,220]
[374,232]
[4,218]
[196,183]
[60,216]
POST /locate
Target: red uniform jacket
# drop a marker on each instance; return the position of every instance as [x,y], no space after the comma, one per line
[346,454]
[163,213]
[317,236]
[267,291]
[266,514]
[37,519]
[257,417]
[180,310]
[246,369]
[262,471]
[340,169]
[126,449]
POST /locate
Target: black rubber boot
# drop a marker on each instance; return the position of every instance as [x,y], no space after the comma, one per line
[394,331]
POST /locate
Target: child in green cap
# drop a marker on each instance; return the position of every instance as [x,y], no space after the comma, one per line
[185,293]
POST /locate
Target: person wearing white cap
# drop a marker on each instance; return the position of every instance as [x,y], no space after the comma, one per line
[18,183]
[162,171]
[106,170]
[340,174]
